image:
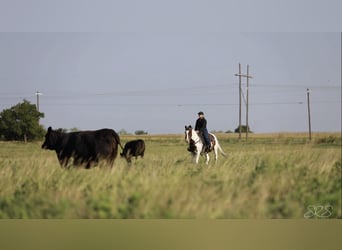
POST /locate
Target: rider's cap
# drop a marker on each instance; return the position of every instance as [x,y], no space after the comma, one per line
[200,113]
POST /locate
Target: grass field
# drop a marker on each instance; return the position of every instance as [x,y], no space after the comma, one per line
[270,176]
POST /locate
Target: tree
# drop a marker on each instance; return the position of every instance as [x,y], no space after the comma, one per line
[123,132]
[140,132]
[243,129]
[21,122]
[62,130]
[74,129]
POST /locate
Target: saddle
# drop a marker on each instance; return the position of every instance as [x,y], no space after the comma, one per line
[212,142]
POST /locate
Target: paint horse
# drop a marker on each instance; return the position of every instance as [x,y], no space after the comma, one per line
[196,145]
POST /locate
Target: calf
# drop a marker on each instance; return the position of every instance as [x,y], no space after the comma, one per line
[133,148]
[85,147]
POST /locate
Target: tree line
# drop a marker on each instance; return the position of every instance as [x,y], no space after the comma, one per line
[21,123]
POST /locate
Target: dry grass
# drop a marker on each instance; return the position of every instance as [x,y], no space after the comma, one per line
[270,176]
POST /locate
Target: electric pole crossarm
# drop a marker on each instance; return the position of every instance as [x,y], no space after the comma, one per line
[247,76]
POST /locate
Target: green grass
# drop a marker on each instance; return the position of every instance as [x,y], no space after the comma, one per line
[270,176]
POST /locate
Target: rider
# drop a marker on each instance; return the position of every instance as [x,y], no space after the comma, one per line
[201,127]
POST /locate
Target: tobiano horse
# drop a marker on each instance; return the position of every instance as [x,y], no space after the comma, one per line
[196,145]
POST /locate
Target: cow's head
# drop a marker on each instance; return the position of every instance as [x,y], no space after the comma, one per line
[125,153]
[51,138]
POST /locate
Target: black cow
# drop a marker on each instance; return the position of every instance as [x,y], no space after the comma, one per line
[133,148]
[85,147]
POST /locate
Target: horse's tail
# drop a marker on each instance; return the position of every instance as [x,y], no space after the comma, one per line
[221,150]
[219,146]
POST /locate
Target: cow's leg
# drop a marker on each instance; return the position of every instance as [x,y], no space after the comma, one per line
[88,165]
[113,156]
[110,162]
[63,161]
[78,161]
[129,160]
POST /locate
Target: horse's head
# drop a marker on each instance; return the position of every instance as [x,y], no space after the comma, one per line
[188,133]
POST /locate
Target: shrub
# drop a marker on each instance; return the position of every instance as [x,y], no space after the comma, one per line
[243,129]
[140,132]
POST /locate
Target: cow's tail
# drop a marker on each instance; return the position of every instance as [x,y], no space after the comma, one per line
[117,139]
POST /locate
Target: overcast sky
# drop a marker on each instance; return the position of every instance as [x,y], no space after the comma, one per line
[149,72]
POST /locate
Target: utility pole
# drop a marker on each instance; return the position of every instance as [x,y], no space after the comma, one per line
[309,114]
[240,109]
[38,94]
[240,75]
[247,126]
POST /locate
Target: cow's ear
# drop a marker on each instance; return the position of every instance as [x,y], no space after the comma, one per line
[190,126]
[49,129]
[186,127]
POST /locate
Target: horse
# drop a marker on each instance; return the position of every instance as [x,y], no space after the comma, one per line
[196,146]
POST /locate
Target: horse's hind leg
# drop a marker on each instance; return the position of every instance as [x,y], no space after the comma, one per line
[216,152]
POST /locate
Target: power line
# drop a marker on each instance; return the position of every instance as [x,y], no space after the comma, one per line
[15,96]
[167,104]
[169,91]
[262,85]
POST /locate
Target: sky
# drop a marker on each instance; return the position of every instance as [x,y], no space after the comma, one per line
[157,66]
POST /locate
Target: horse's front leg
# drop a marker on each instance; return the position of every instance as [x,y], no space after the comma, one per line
[197,156]
[207,158]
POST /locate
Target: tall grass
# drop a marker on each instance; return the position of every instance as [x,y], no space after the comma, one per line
[276,176]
